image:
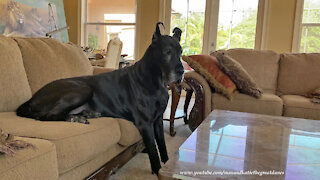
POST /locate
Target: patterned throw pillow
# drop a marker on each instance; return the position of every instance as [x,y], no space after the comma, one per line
[207,66]
[314,95]
[245,83]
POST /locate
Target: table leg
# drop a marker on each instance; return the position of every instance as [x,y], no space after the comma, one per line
[186,105]
[174,105]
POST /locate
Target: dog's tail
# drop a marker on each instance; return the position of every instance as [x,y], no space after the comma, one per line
[25,110]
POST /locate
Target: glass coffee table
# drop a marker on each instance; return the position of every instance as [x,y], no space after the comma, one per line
[235,145]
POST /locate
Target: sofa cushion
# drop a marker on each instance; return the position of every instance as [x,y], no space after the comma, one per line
[299,73]
[75,143]
[39,163]
[262,65]
[268,104]
[129,133]
[300,107]
[14,86]
[46,60]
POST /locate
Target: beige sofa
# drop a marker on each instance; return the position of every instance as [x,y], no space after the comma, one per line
[284,78]
[64,150]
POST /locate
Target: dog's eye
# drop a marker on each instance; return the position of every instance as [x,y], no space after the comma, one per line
[167,52]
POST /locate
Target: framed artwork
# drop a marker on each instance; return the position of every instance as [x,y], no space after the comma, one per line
[31,18]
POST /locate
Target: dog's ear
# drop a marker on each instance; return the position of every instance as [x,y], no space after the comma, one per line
[177,33]
[157,33]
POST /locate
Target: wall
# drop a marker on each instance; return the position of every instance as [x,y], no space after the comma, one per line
[72,11]
[96,8]
[280,25]
[149,17]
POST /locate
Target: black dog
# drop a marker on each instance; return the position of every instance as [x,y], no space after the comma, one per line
[138,93]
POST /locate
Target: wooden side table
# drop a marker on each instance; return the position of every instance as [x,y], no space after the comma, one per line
[174,112]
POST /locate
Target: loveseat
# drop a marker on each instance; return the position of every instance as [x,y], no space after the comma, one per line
[63,150]
[285,78]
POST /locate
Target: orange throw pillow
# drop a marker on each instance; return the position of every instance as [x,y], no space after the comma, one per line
[208,67]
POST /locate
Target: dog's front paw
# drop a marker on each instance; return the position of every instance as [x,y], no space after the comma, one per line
[78,119]
[164,159]
[155,170]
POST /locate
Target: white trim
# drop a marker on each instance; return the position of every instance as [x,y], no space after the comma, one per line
[297,27]
[137,33]
[79,27]
[210,26]
[83,20]
[262,24]
[165,14]
[110,24]
[310,24]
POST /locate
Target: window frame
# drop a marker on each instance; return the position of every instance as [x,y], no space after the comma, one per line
[211,20]
[298,25]
[85,24]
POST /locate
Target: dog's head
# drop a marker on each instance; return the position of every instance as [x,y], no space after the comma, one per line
[167,51]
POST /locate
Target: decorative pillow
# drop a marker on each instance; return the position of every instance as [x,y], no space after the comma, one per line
[314,95]
[208,67]
[239,75]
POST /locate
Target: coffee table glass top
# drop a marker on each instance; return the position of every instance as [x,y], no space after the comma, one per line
[234,145]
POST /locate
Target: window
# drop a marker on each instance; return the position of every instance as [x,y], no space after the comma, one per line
[189,17]
[108,19]
[237,24]
[306,37]
[208,25]
[310,27]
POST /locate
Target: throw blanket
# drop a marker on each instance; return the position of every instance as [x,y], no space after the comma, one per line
[8,145]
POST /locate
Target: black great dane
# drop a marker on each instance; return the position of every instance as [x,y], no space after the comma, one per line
[137,93]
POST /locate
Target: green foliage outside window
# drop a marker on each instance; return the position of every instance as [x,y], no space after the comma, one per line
[310,35]
[93,41]
[192,42]
[243,34]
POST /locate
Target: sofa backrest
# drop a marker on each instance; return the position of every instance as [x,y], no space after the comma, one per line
[299,73]
[14,86]
[262,65]
[46,60]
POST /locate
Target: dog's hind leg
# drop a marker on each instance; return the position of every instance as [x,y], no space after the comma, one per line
[90,114]
[67,103]
[159,135]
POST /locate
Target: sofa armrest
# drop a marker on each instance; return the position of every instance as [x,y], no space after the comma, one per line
[99,70]
[195,83]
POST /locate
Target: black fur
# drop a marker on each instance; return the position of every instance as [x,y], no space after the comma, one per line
[137,93]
